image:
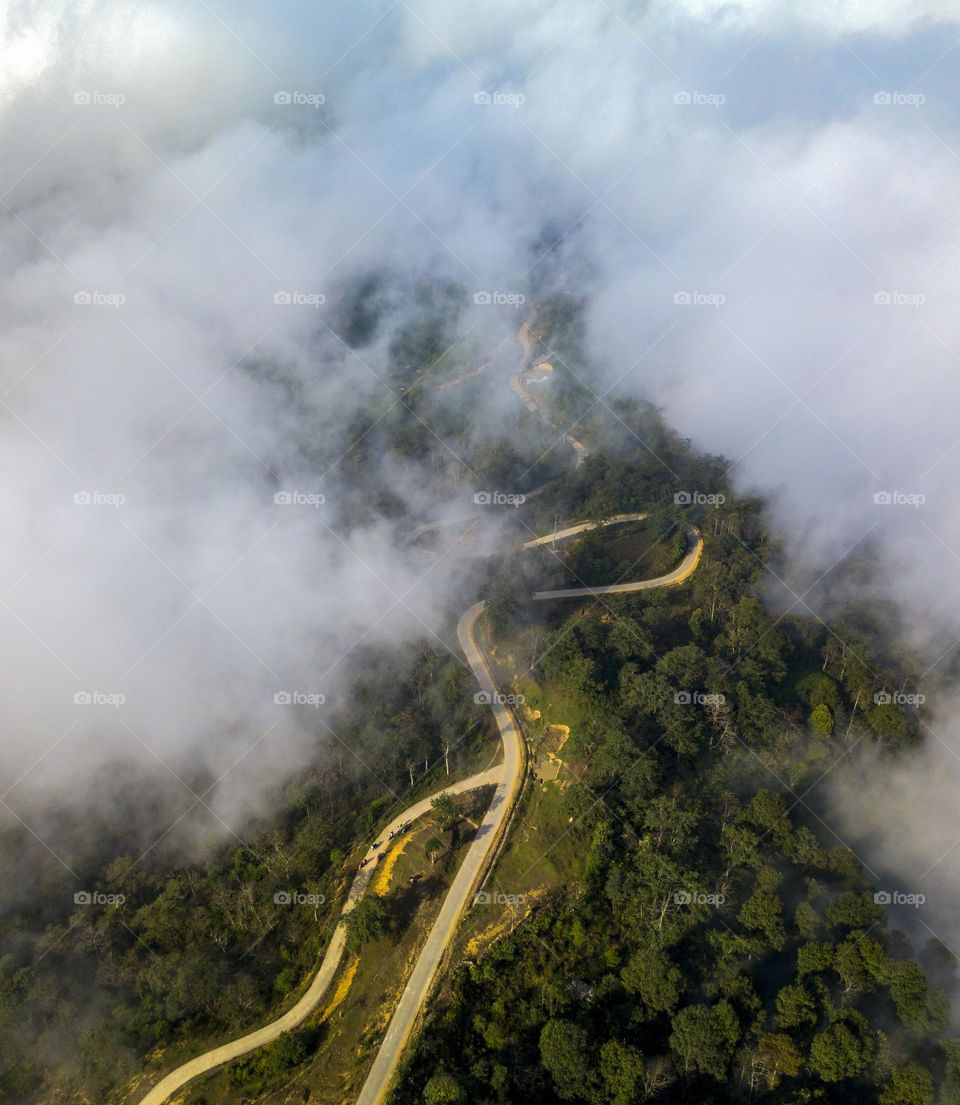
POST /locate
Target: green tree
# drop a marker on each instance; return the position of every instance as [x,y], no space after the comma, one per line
[367,921]
[950,1084]
[813,957]
[821,720]
[919,1008]
[839,1052]
[565,1052]
[763,912]
[766,810]
[780,1057]
[854,909]
[445,811]
[887,721]
[908,1085]
[622,1069]
[807,920]
[795,1006]
[652,975]
[443,1089]
[703,1038]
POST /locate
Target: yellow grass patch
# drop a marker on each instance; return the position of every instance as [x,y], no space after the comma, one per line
[561,732]
[382,885]
[531,715]
[343,988]
[479,943]
[485,938]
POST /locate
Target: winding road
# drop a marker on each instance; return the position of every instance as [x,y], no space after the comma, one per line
[683,571]
[519,384]
[581,527]
[508,777]
[458,896]
[296,1015]
[418,987]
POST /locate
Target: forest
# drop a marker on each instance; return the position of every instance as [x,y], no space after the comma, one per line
[718,943]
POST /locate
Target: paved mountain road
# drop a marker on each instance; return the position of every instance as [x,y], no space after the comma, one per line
[464,885]
[582,527]
[235,1049]
[683,571]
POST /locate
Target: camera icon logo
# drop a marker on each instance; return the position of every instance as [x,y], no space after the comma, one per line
[83,299]
[283,98]
[282,897]
[82,98]
[682,299]
[483,698]
[82,698]
[282,698]
[682,897]
[882,897]
[683,498]
[482,299]
[482,98]
[82,897]
[682,98]
[883,98]
[883,498]
[82,498]
[882,298]
[282,298]
[283,498]
[683,698]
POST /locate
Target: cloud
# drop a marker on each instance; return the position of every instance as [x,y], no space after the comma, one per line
[180,223]
[789,173]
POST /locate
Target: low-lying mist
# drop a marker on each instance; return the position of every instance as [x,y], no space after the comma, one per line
[756,203]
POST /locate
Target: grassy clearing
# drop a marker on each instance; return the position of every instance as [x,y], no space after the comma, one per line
[541,852]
